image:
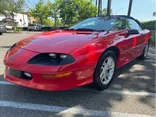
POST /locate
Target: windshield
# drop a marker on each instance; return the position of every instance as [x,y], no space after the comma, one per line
[97,24]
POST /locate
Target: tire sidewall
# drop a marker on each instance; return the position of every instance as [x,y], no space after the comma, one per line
[97,80]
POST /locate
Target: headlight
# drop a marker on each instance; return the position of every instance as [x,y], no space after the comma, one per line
[53,59]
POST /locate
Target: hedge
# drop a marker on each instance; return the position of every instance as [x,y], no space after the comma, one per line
[149,25]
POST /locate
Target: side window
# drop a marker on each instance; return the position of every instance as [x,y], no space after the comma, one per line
[133,24]
[119,23]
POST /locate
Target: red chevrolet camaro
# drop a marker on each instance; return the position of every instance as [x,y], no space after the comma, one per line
[88,52]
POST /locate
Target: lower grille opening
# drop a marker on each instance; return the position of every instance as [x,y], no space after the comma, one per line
[19,74]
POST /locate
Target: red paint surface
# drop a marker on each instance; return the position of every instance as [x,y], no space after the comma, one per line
[85,47]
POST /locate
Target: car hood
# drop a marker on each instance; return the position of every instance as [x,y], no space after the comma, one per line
[57,41]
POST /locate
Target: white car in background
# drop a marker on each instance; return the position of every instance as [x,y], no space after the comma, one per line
[34,27]
[9,27]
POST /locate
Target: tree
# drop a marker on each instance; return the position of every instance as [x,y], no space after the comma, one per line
[2,7]
[67,11]
[72,11]
[40,11]
[104,12]
[48,22]
[53,11]
[12,7]
[86,9]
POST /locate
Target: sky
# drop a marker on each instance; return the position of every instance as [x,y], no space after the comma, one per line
[141,9]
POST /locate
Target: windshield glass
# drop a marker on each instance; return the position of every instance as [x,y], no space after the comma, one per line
[97,24]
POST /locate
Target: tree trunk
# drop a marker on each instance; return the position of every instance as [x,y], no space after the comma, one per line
[55,21]
[41,20]
[14,23]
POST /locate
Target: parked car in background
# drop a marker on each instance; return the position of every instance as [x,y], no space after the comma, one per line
[9,27]
[34,27]
[2,28]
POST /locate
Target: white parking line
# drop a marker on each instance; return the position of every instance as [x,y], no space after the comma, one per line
[66,110]
[124,92]
[5,83]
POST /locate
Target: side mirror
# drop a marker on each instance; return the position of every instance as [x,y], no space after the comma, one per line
[133,31]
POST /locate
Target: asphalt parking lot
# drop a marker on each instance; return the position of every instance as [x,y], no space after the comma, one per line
[131,94]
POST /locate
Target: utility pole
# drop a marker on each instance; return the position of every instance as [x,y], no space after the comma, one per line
[130,7]
[109,7]
[99,7]
[96,2]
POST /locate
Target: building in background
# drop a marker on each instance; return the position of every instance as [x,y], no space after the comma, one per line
[22,19]
[31,18]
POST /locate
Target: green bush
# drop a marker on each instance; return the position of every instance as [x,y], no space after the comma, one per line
[149,25]
[18,29]
[48,22]
[154,40]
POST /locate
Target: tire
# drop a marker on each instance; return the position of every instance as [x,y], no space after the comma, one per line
[145,52]
[99,82]
[0,33]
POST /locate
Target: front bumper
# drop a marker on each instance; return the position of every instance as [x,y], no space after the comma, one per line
[75,79]
[17,59]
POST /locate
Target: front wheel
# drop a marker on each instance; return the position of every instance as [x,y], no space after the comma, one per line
[105,70]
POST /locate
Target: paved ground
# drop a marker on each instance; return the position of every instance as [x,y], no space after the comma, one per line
[131,94]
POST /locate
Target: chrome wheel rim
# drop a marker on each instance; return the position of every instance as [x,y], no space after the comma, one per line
[107,70]
[146,50]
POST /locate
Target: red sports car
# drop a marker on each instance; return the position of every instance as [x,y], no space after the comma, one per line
[88,52]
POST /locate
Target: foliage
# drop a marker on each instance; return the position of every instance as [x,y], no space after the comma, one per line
[40,11]
[104,12]
[86,9]
[151,25]
[53,11]
[68,11]
[154,39]
[19,29]
[73,11]
[12,7]
[48,22]
[2,7]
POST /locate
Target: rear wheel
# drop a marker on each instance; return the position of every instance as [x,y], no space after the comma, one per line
[145,52]
[105,70]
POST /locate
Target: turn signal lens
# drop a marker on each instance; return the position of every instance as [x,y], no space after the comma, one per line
[56,75]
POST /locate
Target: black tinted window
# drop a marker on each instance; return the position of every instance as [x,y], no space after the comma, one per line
[133,24]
